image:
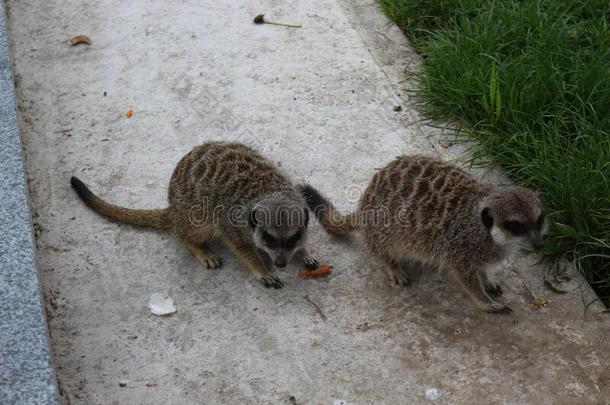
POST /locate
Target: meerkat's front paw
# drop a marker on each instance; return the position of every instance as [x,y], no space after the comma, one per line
[269,280]
[494,290]
[498,308]
[311,263]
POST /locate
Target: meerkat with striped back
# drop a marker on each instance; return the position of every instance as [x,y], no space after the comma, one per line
[231,192]
[418,210]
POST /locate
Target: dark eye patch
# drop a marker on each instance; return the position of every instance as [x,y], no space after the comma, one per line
[540,221]
[269,240]
[516,228]
[292,241]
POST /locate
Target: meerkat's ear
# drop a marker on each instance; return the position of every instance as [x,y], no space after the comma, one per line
[252,219]
[487,217]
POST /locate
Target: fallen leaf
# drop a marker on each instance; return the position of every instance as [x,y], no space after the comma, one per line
[129,113]
[260,19]
[540,302]
[80,39]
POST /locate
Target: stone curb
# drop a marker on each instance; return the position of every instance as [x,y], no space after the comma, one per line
[26,370]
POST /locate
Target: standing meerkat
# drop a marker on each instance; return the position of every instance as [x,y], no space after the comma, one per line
[421,210]
[227,191]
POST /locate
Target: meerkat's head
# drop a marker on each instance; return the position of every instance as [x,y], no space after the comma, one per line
[515,218]
[279,227]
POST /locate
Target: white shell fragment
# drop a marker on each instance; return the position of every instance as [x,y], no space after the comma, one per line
[432,393]
[160,304]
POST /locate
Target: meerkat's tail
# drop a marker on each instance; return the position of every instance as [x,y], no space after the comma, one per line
[157,219]
[332,220]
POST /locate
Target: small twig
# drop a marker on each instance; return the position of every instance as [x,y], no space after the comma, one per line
[318,310]
[260,19]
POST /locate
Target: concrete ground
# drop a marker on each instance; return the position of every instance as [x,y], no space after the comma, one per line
[318,100]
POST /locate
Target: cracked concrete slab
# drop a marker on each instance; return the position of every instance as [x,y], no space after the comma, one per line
[320,102]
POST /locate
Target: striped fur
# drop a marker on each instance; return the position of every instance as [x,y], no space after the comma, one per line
[421,210]
[214,192]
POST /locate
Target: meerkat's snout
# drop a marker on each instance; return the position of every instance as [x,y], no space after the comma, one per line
[515,217]
[279,230]
[280,246]
[280,261]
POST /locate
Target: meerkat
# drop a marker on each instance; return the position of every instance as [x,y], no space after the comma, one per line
[418,210]
[230,192]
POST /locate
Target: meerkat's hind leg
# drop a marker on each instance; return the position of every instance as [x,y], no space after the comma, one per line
[473,285]
[204,255]
[197,243]
[310,261]
[395,271]
[494,290]
[412,267]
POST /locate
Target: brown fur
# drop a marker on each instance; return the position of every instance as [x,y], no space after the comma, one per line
[157,218]
[213,193]
[422,210]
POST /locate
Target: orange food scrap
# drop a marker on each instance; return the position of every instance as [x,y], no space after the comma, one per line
[129,113]
[321,271]
[80,39]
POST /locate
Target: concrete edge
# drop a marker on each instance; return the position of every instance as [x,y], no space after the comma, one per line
[26,370]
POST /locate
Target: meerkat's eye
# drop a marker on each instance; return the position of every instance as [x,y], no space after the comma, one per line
[515,228]
[540,221]
[292,241]
[269,240]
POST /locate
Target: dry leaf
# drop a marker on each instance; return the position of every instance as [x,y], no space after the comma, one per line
[540,302]
[80,39]
[129,113]
[260,19]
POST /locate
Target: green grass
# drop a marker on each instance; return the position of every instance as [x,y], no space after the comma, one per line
[530,82]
